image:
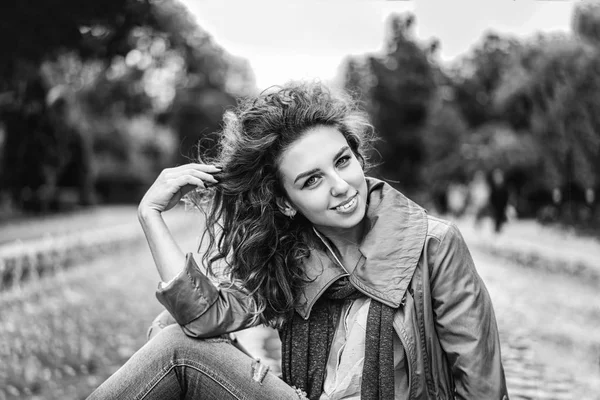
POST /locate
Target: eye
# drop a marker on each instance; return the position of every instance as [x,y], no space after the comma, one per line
[342,161]
[311,181]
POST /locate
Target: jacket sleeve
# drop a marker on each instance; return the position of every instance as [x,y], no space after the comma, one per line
[465,321]
[202,308]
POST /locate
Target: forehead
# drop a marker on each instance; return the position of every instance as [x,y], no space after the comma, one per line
[314,149]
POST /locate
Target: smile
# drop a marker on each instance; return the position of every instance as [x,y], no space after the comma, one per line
[348,205]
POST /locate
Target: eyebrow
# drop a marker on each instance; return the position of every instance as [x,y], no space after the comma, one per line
[312,171]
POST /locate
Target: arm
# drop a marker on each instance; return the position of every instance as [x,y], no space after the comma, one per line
[168,189]
[167,255]
[465,321]
[191,298]
[203,309]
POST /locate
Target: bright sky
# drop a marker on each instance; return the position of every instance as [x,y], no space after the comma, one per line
[295,39]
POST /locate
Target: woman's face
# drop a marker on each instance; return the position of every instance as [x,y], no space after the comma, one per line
[323,179]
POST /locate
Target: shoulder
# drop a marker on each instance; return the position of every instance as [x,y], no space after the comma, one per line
[438,228]
[444,242]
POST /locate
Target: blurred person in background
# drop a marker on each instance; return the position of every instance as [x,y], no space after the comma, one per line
[372,297]
[479,197]
[457,198]
[499,196]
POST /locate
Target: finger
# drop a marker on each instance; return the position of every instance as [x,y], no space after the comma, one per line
[188,180]
[205,176]
[210,168]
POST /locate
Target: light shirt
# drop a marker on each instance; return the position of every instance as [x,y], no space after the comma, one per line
[343,373]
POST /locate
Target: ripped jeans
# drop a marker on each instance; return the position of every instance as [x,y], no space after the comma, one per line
[174,366]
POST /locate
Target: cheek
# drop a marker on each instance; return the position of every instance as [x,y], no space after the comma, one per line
[311,202]
[355,174]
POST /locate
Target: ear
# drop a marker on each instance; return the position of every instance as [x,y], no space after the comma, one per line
[285,207]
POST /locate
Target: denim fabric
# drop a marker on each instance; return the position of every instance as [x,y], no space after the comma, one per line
[173,365]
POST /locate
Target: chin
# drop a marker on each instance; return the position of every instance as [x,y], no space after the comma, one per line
[351,221]
[350,225]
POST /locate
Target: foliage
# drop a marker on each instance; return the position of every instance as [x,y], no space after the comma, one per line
[115,67]
[477,75]
[556,102]
[586,21]
[444,138]
[397,87]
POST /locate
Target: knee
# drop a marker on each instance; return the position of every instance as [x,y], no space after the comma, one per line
[172,343]
[169,342]
[171,337]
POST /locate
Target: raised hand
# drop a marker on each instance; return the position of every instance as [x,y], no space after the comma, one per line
[173,183]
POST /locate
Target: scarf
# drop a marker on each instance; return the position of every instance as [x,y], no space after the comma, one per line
[305,345]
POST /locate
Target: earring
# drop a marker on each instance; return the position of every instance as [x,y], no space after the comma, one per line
[292,214]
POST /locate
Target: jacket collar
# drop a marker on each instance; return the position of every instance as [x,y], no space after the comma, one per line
[391,248]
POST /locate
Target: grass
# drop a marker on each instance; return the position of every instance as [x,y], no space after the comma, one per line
[61,336]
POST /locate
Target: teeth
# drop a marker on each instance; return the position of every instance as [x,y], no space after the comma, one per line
[347,206]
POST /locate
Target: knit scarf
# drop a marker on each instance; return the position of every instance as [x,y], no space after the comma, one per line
[306,345]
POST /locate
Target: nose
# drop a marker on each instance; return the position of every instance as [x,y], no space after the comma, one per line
[339,186]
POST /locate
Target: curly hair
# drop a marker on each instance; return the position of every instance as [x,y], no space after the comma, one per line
[262,248]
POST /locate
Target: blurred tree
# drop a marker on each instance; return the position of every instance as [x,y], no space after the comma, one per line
[400,94]
[553,97]
[196,117]
[443,139]
[358,78]
[477,75]
[585,21]
[119,60]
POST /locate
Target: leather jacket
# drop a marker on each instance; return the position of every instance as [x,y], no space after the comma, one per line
[412,261]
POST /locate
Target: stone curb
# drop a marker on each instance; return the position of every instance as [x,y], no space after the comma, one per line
[29,260]
[23,261]
[580,269]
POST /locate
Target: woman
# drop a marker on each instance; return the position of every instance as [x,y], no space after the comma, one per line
[373,298]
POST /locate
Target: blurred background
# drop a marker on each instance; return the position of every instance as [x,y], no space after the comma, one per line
[488,114]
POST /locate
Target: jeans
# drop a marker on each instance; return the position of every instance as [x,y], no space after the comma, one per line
[174,366]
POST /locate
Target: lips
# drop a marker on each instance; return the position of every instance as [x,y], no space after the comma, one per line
[342,204]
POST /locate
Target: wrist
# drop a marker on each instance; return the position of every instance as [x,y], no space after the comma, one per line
[145,213]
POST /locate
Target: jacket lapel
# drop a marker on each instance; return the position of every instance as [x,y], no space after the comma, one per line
[391,249]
